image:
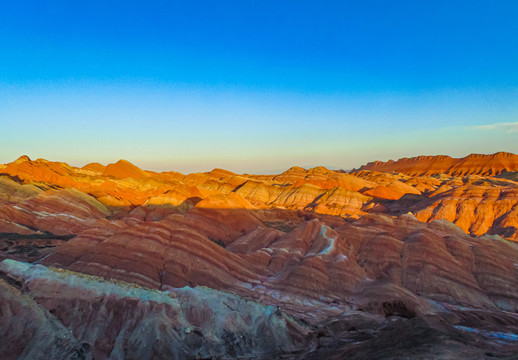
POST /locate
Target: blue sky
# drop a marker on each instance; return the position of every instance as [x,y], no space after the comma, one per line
[256,86]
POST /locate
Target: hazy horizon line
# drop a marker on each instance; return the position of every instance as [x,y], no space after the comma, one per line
[279,170]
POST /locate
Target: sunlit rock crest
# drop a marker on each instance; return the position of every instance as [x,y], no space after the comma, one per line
[128,263]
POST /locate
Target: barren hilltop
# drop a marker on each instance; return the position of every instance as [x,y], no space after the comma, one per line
[415,257]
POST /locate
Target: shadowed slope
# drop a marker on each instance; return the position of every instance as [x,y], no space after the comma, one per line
[307,263]
[477,204]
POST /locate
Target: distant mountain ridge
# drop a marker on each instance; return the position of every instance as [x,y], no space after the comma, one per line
[477,206]
[314,263]
[473,164]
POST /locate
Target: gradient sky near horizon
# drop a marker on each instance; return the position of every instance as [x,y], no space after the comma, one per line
[256,86]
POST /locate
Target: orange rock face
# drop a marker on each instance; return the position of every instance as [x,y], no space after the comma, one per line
[424,245]
[99,168]
[426,186]
[474,164]
[124,169]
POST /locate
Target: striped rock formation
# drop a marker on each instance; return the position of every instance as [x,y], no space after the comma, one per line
[308,263]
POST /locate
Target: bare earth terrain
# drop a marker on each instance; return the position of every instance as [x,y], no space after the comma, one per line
[408,259]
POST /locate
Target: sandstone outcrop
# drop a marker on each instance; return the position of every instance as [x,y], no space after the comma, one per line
[124,169]
[305,264]
[474,164]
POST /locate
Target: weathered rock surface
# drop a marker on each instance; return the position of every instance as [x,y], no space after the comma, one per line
[138,264]
[425,189]
[474,164]
[54,314]
[123,169]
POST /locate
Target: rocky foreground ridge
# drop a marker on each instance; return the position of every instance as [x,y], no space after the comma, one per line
[405,259]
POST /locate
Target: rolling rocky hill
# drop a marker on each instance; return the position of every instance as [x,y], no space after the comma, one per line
[474,164]
[408,259]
